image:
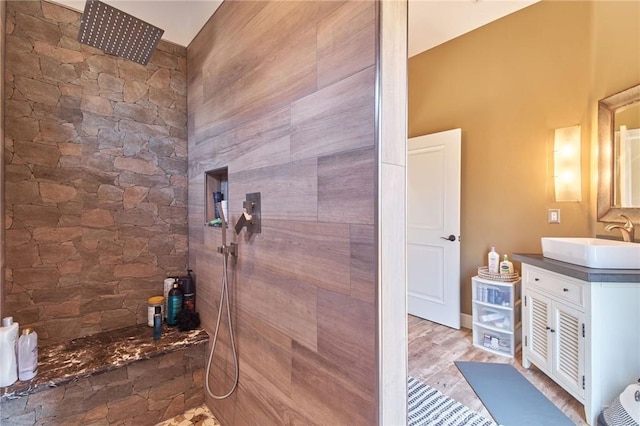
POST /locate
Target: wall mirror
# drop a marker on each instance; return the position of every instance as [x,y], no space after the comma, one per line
[619,156]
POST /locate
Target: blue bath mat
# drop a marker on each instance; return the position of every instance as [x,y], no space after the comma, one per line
[510,398]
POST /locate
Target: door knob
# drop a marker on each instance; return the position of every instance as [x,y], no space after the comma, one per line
[450,237]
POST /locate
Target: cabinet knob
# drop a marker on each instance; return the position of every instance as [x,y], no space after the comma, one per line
[536,279]
[565,289]
[552,330]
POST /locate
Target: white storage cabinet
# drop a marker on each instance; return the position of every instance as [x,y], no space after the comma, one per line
[584,335]
[496,315]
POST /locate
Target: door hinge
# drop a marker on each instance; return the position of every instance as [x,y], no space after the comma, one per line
[525,301]
[583,382]
[583,333]
[525,342]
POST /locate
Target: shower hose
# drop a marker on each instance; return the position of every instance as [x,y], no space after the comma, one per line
[224,294]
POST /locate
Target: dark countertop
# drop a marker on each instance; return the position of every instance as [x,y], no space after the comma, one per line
[579,272]
[62,363]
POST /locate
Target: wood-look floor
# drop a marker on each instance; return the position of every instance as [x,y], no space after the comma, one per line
[433,348]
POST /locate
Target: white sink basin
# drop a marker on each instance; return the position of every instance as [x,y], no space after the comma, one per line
[593,252]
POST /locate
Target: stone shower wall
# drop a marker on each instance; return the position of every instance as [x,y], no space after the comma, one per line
[95,176]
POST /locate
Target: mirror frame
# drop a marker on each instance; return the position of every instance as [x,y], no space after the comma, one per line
[607,212]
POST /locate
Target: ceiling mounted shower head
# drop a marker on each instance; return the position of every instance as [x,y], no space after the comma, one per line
[118,33]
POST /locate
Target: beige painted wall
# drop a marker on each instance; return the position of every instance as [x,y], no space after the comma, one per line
[508,85]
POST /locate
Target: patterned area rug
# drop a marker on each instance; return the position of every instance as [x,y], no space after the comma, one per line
[429,407]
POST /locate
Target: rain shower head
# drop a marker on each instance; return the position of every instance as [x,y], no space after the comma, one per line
[118,33]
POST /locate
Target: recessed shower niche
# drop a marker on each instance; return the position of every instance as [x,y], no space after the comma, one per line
[216,190]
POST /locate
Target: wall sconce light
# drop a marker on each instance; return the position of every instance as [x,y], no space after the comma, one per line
[566,164]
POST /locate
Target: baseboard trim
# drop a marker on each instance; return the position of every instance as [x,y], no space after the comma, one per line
[466,321]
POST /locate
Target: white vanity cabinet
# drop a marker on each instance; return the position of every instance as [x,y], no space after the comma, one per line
[554,338]
[585,335]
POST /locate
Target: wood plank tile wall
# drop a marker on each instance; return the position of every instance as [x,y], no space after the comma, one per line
[283,94]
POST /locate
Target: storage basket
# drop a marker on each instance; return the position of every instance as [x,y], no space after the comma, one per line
[483,272]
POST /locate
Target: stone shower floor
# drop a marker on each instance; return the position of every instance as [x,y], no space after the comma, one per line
[199,416]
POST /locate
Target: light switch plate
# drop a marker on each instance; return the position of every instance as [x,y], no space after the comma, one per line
[554,216]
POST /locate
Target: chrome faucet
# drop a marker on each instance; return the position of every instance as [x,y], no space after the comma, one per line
[627,230]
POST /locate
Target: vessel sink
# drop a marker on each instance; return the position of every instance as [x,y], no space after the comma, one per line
[593,252]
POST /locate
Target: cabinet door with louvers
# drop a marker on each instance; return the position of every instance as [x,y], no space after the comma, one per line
[536,322]
[569,337]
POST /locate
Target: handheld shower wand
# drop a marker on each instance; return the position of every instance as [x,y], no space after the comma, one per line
[232,249]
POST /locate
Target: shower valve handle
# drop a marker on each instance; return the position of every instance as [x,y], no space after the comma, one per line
[245,220]
[248,206]
[250,218]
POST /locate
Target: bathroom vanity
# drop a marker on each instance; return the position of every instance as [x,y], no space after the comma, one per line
[581,327]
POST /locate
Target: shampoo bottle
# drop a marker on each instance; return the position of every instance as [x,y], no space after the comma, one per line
[188,292]
[168,285]
[27,355]
[506,267]
[494,261]
[8,342]
[174,305]
[157,323]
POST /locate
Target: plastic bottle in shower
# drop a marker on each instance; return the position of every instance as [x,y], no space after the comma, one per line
[188,292]
[174,304]
[168,285]
[8,346]
[157,323]
[27,355]
[217,198]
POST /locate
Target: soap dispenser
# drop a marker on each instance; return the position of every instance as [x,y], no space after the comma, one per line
[27,355]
